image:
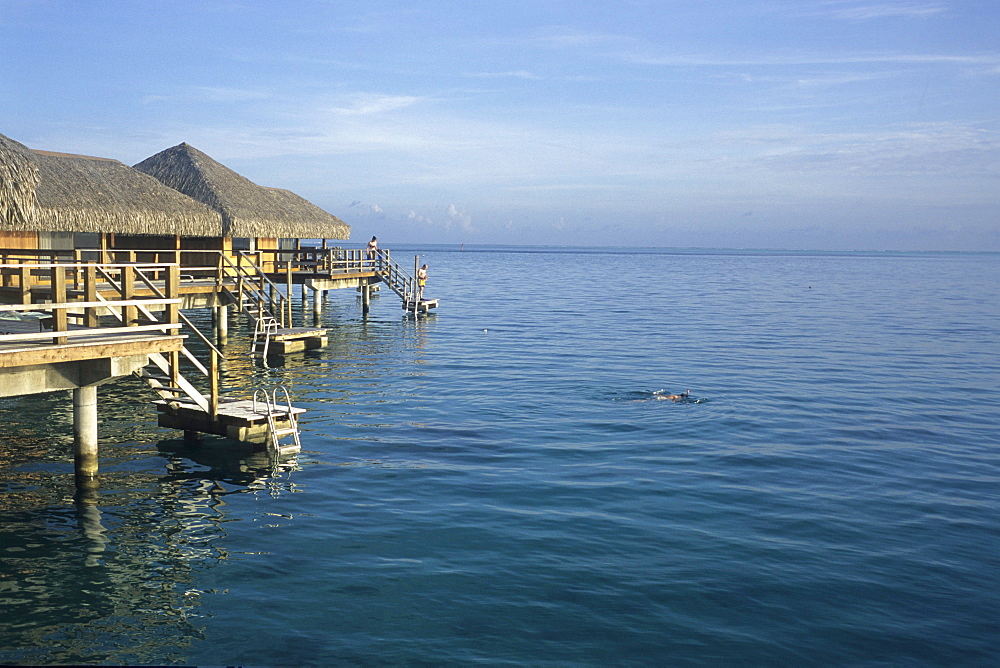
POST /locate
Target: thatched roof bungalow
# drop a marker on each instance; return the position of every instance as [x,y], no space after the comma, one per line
[249,211]
[18,181]
[60,201]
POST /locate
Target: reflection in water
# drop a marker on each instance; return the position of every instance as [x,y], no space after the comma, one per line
[107,574]
[124,560]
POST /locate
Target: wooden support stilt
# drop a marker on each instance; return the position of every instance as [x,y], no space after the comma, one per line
[222,324]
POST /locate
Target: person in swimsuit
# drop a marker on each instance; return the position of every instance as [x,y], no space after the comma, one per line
[421,281]
[674,397]
[372,249]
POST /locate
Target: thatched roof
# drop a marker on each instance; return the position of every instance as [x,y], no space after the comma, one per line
[18,180]
[41,191]
[248,210]
[79,193]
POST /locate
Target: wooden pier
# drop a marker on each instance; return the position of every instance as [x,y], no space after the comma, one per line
[74,323]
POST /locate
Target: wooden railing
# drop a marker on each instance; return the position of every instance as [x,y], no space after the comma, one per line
[68,318]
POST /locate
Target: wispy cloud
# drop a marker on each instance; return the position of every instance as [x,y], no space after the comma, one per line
[564,37]
[513,74]
[860,58]
[363,104]
[853,10]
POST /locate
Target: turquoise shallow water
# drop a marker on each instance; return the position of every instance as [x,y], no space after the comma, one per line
[499,483]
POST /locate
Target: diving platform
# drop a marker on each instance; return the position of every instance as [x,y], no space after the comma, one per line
[421,306]
[243,420]
[296,339]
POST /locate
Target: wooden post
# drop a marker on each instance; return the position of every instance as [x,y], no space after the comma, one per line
[222,323]
[91,316]
[59,316]
[77,261]
[85,431]
[173,291]
[213,380]
[317,304]
[25,283]
[416,285]
[129,313]
[289,300]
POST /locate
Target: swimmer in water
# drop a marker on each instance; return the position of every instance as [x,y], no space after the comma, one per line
[673,397]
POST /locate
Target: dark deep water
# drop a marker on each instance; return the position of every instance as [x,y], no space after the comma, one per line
[500,483]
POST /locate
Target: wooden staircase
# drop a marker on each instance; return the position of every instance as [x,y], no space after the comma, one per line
[268,309]
[181,405]
[402,283]
[256,294]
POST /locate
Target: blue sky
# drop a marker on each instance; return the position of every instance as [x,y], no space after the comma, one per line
[825,124]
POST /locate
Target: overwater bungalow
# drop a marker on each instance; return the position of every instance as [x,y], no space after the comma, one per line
[98,260]
[61,202]
[254,218]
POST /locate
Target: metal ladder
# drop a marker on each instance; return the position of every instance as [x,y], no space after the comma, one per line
[275,433]
[263,330]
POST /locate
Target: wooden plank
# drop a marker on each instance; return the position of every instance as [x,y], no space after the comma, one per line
[30,356]
[77,333]
[119,302]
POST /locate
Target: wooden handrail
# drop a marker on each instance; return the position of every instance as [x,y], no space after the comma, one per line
[97,331]
[73,305]
[83,265]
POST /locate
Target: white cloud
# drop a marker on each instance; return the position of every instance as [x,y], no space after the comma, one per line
[414,217]
[515,74]
[854,10]
[364,104]
[227,95]
[459,218]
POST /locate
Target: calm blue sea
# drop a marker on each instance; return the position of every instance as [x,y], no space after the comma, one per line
[503,482]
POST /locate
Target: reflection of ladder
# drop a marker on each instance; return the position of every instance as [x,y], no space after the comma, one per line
[256,294]
[281,420]
[264,328]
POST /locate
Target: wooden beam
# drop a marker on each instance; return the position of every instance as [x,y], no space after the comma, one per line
[74,352]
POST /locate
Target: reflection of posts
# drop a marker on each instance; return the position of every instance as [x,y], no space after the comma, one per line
[89,518]
[421,282]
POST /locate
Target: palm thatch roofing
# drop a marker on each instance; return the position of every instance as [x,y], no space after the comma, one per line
[18,180]
[248,210]
[57,192]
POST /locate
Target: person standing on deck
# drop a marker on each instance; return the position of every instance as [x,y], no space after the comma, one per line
[372,249]
[421,281]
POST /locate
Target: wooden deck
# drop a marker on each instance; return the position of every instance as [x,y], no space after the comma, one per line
[240,419]
[297,339]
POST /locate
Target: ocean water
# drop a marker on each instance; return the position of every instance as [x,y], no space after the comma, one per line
[504,481]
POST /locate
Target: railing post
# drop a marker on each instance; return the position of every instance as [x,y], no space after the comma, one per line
[173,292]
[59,317]
[213,383]
[24,279]
[239,276]
[77,261]
[129,313]
[289,299]
[90,317]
